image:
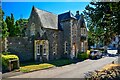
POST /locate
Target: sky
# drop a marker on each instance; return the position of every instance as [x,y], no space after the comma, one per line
[48,0]
[23,9]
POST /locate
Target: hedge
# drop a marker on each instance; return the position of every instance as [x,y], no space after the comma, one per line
[5,61]
[83,56]
[6,53]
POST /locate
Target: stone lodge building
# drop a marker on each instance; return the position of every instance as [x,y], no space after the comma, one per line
[53,36]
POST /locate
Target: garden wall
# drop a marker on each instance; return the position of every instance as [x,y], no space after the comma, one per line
[22,47]
[3,45]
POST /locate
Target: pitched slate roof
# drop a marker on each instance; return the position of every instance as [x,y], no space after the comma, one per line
[47,19]
[63,17]
[52,21]
[66,16]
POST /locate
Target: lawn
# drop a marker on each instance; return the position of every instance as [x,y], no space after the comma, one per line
[33,66]
[61,62]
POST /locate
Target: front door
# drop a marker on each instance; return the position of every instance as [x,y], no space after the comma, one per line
[41,50]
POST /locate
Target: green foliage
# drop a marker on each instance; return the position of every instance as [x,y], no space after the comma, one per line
[3,25]
[35,67]
[82,56]
[5,60]
[10,24]
[5,32]
[103,21]
[21,25]
[61,62]
[6,53]
[16,28]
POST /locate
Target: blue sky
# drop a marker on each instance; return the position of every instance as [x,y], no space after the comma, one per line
[23,9]
[47,0]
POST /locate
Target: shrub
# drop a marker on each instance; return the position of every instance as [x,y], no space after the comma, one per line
[88,52]
[5,61]
[83,56]
[6,53]
[112,73]
[61,62]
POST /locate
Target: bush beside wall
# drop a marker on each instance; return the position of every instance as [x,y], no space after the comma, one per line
[83,56]
[5,61]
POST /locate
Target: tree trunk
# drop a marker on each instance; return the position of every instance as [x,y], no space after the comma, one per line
[105,48]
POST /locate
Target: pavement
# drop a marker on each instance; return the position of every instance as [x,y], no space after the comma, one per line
[0,75]
[77,70]
[9,74]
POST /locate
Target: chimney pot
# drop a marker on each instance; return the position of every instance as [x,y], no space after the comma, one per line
[77,12]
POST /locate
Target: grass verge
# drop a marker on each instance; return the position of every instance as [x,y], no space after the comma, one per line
[61,62]
[35,67]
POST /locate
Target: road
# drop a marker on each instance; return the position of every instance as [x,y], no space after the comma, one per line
[77,70]
[0,75]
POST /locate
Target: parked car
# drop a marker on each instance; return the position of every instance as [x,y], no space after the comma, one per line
[112,52]
[95,54]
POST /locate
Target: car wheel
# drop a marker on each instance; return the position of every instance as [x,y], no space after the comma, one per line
[97,57]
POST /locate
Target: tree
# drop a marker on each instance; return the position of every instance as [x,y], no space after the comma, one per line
[5,32]
[10,24]
[16,28]
[104,19]
[3,26]
[21,25]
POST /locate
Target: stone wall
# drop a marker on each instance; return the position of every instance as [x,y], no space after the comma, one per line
[22,47]
[67,37]
[3,45]
[61,44]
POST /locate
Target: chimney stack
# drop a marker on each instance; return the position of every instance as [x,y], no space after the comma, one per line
[77,13]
